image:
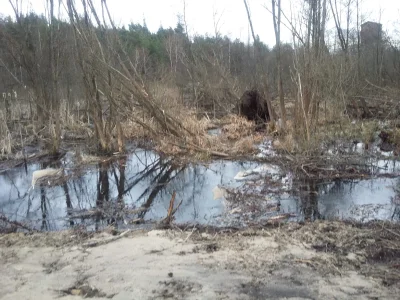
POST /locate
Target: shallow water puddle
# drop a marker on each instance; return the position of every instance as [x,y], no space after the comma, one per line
[142,180]
[139,187]
[359,200]
[362,200]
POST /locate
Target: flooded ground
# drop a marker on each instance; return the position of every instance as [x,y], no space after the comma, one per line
[138,189]
[142,180]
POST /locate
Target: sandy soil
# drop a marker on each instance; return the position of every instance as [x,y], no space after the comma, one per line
[273,263]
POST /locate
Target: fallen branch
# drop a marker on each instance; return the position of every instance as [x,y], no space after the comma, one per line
[392,232]
[199,149]
[376,86]
[16,224]
[171,210]
[190,234]
[171,205]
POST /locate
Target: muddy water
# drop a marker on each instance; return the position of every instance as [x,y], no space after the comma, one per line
[139,187]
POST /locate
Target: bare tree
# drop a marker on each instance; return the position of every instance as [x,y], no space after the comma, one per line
[36,50]
[250,22]
[111,78]
[256,45]
[277,28]
[342,36]
[54,59]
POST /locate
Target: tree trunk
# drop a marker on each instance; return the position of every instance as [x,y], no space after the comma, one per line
[277,29]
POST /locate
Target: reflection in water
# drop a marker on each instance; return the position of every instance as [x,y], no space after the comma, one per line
[121,181]
[309,200]
[43,208]
[362,200]
[103,192]
[396,201]
[43,204]
[109,192]
[139,187]
[68,203]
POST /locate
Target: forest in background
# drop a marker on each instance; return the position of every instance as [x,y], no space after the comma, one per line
[82,73]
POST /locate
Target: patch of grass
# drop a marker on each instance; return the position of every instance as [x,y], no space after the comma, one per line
[6,141]
[7,256]
[286,143]
[326,132]
[368,131]
[238,137]
[237,127]
[395,137]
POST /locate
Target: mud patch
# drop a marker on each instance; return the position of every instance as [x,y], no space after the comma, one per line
[209,248]
[177,289]
[53,266]
[8,256]
[84,290]
[274,290]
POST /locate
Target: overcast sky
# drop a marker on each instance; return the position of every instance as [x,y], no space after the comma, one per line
[230,15]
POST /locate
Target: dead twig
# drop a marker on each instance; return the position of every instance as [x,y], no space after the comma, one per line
[16,224]
[302,168]
[171,206]
[199,149]
[376,86]
[190,234]
[171,210]
[392,232]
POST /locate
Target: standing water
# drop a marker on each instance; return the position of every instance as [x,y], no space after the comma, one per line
[140,186]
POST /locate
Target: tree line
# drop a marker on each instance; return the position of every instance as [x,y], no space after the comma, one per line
[85,62]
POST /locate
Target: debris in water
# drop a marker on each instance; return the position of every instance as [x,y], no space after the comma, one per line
[260,170]
[266,149]
[41,175]
[171,210]
[219,193]
[137,189]
[243,174]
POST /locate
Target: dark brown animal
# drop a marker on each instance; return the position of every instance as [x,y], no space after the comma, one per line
[254,107]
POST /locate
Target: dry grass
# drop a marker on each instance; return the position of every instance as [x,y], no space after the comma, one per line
[88,159]
[286,143]
[6,141]
[5,146]
[237,127]
[333,125]
[167,95]
[395,137]
[237,137]
[344,129]
[245,145]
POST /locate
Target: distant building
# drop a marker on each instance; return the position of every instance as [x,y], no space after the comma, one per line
[371,32]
